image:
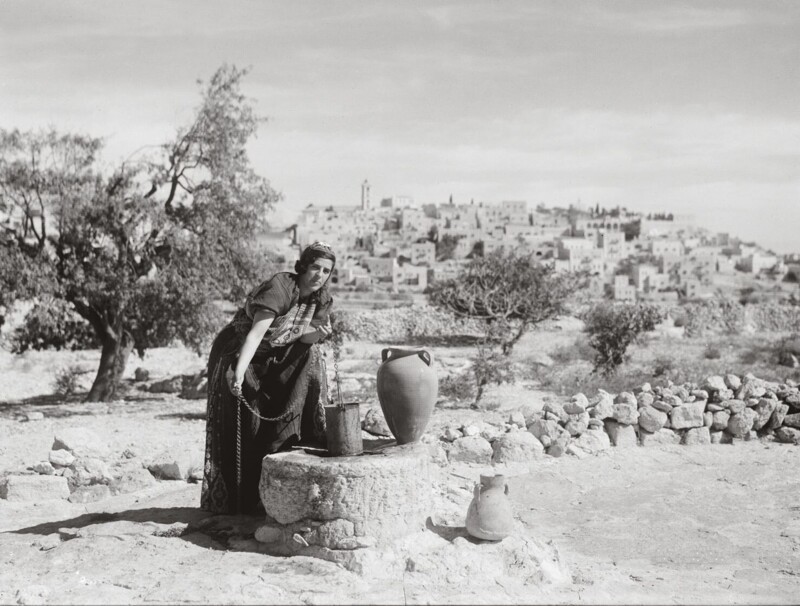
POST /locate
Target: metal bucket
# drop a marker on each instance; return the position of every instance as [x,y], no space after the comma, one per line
[343,429]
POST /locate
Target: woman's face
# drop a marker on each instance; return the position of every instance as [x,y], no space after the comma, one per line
[317,274]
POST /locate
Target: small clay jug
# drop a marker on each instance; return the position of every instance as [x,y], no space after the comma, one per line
[490,516]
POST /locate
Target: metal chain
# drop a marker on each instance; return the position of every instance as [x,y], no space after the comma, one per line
[240,398]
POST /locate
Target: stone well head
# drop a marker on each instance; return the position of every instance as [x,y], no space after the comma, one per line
[318,504]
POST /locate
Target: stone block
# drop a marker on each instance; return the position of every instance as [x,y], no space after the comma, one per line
[593,441]
[375,423]
[516,447]
[696,436]
[471,449]
[175,466]
[602,406]
[739,425]
[81,442]
[687,415]
[662,436]
[90,494]
[34,488]
[764,410]
[651,419]
[621,436]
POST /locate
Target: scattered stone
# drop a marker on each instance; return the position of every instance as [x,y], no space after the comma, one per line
[764,410]
[645,399]
[626,397]
[141,374]
[168,466]
[516,447]
[490,432]
[90,494]
[733,382]
[740,424]
[33,416]
[714,407]
[595,424]
[714,383]
[194,387]
[593,441]
[662,436]
[645,388]
[626,411]
[621,435]
[471,449]
[81,442]
[577,405]
[132,479]
[171,385]
[672,400]
[451,434]
[576,451]
[722,395]
[88,471]
[517,418]
[48,541]
[792,420]
[720,421]
[778,416]
[556,409]
[786,358]
[734,406]
[602,406]
[471,430]
[44,468]
[700,394]
[788,435]
[662,406]
[61,458]
[375,423]
[543,428]
[708,419]
[651,419]
[696,436]
[33,488]
[556,449]
[577,424]
[716,436]
[750,389]
[687,415]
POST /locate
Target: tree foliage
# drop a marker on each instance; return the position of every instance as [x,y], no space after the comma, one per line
[612,327]
[141,253]
[512,293]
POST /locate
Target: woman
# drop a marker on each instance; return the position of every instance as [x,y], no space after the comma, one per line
[266,387]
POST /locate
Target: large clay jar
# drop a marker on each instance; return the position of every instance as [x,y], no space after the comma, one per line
[490,516]
[407,390]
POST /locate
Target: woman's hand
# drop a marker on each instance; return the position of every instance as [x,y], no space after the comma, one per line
[238,381]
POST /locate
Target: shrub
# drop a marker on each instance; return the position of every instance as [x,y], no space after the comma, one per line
[458,387]
[66,380]
[712,353]
[663,367]
[612,327]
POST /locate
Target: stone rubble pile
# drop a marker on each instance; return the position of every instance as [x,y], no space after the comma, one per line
[81,468]
[718,410]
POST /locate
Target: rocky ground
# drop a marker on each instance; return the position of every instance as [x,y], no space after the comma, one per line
[667,524]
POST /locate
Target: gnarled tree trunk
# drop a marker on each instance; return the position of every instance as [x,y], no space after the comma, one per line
[113,359]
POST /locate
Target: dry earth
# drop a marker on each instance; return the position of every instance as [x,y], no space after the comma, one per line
[690,525]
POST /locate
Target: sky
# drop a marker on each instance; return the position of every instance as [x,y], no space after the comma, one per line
[657,106]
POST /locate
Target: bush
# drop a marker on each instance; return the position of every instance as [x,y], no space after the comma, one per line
[612,327]
[66,380]
[663,367]
[712,353]
[459,388]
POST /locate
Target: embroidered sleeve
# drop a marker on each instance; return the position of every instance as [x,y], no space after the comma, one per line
[274,295]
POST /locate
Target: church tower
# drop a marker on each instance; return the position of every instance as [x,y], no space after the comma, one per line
[365,195]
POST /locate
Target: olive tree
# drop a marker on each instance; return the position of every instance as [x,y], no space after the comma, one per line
[512,293]
[142,252]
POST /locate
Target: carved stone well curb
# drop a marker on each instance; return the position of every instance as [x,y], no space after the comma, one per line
[328,507]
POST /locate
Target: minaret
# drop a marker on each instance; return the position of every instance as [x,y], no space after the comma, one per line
[365,195]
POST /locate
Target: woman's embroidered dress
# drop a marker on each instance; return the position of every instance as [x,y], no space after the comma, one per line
[285,380]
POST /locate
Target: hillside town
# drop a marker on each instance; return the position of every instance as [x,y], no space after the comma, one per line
[400,246]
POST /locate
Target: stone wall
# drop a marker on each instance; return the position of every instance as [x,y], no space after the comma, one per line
[719,410]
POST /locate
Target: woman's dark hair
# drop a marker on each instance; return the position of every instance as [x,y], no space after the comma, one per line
[312,252]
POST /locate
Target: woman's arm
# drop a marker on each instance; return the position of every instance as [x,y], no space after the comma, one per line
[261,322]
[318,334]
